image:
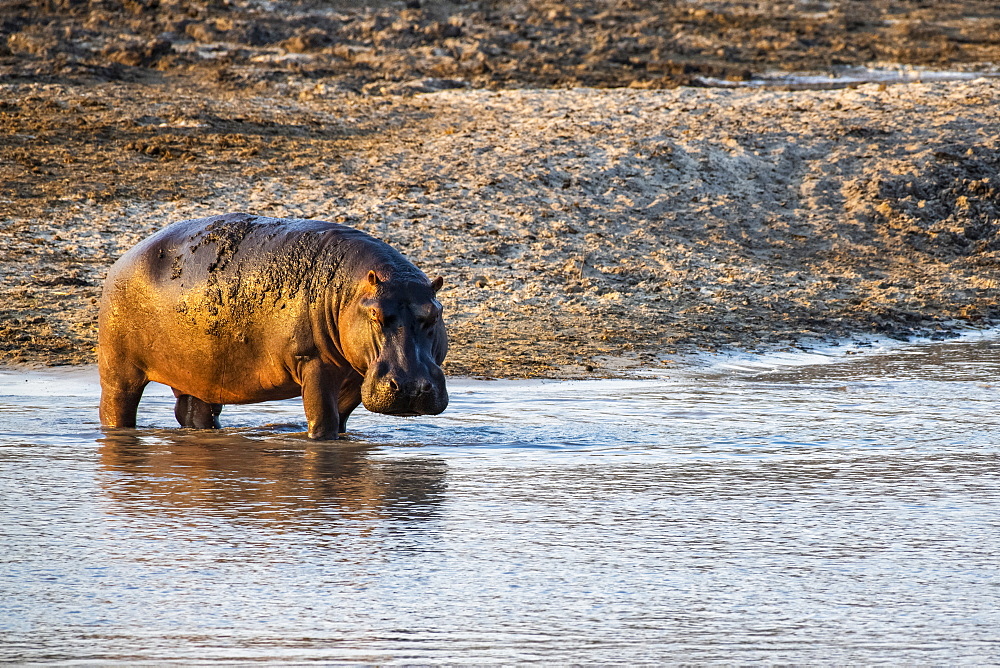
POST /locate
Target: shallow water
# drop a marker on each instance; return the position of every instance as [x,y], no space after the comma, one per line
[845,77]
[798,508]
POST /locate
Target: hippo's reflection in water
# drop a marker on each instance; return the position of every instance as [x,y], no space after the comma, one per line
[288,484]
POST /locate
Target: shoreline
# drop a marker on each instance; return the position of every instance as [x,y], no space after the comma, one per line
[793,356]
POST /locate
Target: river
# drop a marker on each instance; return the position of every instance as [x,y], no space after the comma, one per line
[837,506]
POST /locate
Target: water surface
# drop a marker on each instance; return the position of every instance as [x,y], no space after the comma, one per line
[847,77]
[801,508]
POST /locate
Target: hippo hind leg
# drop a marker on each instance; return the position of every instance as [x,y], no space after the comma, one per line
[349,399]
[195,413]
[120,395]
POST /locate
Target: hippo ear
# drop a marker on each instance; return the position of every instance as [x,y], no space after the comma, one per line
[372,278]
[437,283]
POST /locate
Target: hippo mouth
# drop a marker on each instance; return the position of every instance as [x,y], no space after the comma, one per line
[405,406]
[391,391]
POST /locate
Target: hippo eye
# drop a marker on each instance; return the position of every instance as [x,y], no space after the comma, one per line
[383,319]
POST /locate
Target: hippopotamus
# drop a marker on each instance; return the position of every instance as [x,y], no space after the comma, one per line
[238,309]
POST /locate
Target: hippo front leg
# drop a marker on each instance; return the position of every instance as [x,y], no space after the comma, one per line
[320,386]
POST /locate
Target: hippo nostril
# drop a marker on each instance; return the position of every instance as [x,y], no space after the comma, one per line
[424,387]
[393,385]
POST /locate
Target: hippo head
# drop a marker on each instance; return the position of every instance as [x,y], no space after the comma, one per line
[394,335]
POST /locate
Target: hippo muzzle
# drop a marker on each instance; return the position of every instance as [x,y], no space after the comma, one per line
[403,392]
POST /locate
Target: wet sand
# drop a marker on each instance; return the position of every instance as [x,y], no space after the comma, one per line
[580,231]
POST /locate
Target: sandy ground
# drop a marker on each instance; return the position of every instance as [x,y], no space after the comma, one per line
[580,231]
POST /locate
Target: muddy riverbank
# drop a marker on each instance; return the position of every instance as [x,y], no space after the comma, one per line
[579,230]
[386,46]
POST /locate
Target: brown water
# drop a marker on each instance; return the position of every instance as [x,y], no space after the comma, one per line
[807,508]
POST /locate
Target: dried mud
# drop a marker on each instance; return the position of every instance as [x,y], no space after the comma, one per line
[580,231]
